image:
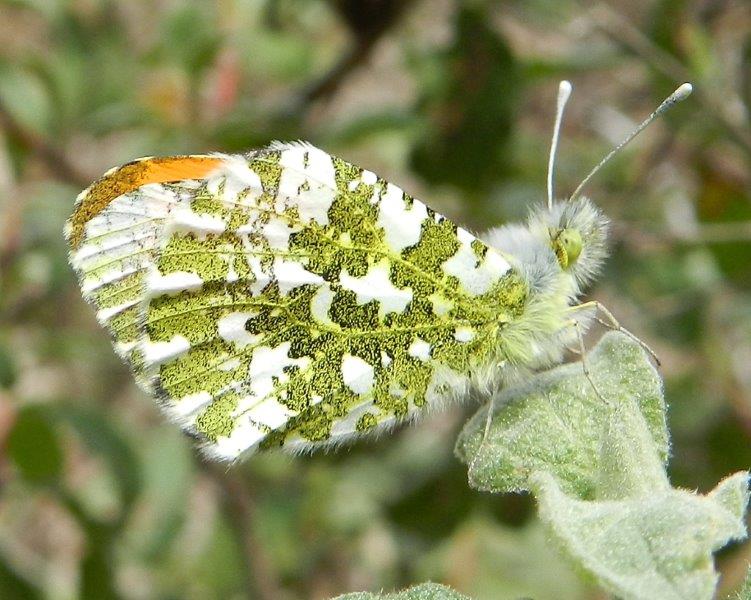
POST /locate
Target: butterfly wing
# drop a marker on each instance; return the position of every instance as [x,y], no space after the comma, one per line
[288,297]
[114,235]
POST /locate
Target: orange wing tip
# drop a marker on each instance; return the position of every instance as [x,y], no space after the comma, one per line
[129,177]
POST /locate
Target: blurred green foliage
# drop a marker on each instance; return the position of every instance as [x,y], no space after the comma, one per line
[454,101]
[471,105]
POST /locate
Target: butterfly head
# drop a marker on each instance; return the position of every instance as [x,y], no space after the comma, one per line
[576,229]
[562,244]
[576,232]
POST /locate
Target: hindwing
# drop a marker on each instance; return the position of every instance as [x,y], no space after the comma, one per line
[286,297]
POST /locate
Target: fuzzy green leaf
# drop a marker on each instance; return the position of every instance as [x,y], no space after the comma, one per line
[556,423]
[424,591]
[651,546]
[596,464]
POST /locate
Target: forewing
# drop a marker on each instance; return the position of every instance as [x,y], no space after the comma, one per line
[291,298]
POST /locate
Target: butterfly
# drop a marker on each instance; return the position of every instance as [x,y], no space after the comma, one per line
[288,298]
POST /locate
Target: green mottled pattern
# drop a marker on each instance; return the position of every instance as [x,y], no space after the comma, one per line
[350,242]
[305,285]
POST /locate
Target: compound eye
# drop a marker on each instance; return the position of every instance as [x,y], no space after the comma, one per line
[571,240]
[567,245]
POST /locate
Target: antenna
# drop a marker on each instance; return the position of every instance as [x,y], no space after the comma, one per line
[564,91]
[680,94]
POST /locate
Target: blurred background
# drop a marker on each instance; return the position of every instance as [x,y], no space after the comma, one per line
[454,101]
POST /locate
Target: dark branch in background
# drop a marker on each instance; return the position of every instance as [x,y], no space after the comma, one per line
[238,502]
[42,148]
[329,83]
[368,21]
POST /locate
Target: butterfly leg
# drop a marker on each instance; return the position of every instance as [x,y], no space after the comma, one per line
[486,432]
[612,323]
[582,351]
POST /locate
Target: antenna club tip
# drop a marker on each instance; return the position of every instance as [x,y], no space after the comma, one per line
[683,92]
[564,91]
